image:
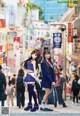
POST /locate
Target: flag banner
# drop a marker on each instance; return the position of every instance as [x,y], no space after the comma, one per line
[70,33]
[57,40]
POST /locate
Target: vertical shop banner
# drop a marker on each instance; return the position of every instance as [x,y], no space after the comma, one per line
[70,33]
[57,40]
[75,33]
[2,23]
[1,48]
[16,44]
[1,60]
[10,40]
[11,17]
[79,33]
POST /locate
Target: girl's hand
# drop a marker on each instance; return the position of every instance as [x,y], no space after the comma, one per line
[53,83]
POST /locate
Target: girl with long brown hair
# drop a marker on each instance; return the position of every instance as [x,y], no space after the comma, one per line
[58,87]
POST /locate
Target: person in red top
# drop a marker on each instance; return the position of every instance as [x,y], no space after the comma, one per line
[58,87]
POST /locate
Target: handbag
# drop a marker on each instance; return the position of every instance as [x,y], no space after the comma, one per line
[52,98]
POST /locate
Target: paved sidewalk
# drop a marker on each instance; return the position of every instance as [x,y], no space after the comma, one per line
[71,110]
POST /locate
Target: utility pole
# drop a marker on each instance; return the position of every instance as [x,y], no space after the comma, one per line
[64,59]
[63,29]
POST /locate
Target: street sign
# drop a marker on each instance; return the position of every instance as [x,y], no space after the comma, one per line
[57,40]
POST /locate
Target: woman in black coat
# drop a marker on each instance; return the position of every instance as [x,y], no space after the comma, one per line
[75,88]
[2,87]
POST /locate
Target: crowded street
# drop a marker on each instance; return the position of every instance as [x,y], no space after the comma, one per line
[39,57]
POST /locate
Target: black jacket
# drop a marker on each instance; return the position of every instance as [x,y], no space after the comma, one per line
[2,81]
[75,85]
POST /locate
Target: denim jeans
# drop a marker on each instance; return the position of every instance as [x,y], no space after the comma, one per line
[59,95]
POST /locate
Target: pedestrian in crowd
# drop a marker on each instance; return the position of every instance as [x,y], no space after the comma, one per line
[2,87]
[59,87]
[31,66]
[48,79]
[40,92]
[75,88]
[9,91]
[20,89]
[13,79]
[62,79]
[68,89]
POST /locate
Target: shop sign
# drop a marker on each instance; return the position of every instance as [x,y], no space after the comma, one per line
[2,23]
[57,40]
[70,33]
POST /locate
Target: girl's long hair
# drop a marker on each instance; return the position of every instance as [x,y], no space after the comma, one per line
[38,59]
[58,72]
[47,52]
[21,73]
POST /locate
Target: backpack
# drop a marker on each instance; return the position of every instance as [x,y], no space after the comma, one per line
[10,90]
[20,83]
[52,98]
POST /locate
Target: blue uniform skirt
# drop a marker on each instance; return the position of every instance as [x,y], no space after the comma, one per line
[30,78]
[46,84]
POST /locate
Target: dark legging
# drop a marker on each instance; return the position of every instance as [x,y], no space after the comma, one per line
[75,95]
[31,93]
[20,97]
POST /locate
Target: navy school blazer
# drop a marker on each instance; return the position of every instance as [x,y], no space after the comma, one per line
[47,72]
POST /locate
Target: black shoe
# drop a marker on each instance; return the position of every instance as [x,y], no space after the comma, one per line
[19,106]
[46,109]
[35,108]
[41,108]
[55,105]
[22,106]
[29,107]
[49,109]
[64,105]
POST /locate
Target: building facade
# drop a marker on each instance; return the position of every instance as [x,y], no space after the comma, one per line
[52,8]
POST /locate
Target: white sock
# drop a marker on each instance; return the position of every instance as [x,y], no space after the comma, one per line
[46,106]
[43,105]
